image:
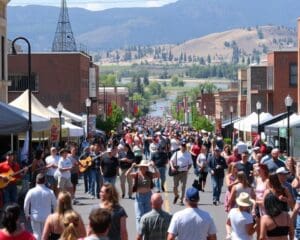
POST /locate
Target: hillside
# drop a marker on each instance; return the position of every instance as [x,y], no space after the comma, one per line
[236,45]
[171,24]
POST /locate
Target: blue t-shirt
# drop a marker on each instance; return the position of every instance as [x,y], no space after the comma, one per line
[273,165]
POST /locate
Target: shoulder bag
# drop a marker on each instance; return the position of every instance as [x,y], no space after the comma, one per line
[173,173]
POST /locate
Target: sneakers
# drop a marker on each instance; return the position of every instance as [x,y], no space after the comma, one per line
[181,202]
[175,199]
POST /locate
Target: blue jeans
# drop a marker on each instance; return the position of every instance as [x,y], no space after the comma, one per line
[95,180]
[111,180]
[217,184]
[10,194]
[142,205]
[161,181]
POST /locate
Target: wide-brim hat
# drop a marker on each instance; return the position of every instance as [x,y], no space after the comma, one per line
[143,163]
[244,200]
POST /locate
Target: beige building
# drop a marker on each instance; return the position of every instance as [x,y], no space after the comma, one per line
[3,50]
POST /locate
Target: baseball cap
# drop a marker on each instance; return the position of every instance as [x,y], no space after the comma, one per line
[282,170]
[192,194]
[109,149]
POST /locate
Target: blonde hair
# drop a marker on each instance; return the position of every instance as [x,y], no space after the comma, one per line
[241,177]
[71,222]
[64,203]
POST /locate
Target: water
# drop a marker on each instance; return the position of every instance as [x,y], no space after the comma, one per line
[161,106]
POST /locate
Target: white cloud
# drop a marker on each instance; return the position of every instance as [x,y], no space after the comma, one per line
[95,5]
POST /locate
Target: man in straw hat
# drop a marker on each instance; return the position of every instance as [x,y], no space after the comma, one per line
[240,219]
[192,222]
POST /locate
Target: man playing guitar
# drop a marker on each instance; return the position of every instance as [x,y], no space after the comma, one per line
[10,191]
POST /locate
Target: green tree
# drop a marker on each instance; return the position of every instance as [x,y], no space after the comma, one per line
[207,87]
[112,121]
[109,80]
[174,80]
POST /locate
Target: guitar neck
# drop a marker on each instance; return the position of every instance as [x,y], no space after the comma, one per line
[20,171]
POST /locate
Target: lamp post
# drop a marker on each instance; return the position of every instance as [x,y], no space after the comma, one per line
[288,103]
[14,52]
[258,108]
[60,108]
[88,104]
[231,126]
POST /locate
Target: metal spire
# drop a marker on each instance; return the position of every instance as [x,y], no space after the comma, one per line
[64,40]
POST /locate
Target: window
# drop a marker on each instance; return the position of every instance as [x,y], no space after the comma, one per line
[19,82]
[293,74]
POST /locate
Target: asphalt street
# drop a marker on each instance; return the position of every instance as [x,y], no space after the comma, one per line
[217,212]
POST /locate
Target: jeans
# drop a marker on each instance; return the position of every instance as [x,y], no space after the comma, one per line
[217,184]
[10,194]
[86,180]
[161,181]
[111,180]
[95,180]
[142,205]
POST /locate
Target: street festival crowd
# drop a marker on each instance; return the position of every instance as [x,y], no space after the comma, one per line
[261,181]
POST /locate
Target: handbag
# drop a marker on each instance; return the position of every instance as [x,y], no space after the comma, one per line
[173,173]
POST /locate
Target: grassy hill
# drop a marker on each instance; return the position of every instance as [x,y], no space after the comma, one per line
[239,45]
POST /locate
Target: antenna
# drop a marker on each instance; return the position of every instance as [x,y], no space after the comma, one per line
[64,40]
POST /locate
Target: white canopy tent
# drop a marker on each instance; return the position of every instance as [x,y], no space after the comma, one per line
[245,124]
[69,116]
[294,121]
[37,107]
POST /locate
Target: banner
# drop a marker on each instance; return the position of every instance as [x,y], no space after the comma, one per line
[54,130]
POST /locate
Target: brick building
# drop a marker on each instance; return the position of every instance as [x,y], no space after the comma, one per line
[68,78]
[282,79]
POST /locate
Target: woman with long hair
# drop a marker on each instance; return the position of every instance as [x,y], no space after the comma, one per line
[110,200]
[275,224]
[281,192]
[12,227]
[230,181]
[226,152]
[54,226]
[71,221]
[143,183]
[241,186]
[38,165]
[290,165]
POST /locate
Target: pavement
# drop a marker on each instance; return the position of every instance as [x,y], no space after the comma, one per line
[217,212]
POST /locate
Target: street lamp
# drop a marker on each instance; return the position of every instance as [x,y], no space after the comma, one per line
[88,104]
[60,108]
[288,103]
[14,52]
[258,108]
[231,130]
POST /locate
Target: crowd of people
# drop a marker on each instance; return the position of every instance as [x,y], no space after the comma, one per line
[260,200]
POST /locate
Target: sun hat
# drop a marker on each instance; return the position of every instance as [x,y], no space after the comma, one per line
[192,194]
[244,200]
[143,163]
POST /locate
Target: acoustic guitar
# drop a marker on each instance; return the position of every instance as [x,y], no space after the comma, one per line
[84,164]
[8,177]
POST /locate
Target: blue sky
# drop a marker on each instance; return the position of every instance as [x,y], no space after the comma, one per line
[95,5]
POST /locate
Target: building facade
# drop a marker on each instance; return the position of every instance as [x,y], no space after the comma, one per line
[68,78]
[3,51]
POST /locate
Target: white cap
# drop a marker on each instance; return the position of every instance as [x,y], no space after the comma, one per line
[282,170]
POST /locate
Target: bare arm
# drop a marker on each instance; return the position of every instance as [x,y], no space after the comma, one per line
[81,228]
[171,236]
[232,196]
[47,228]
[291,228]
[123,229]
[263,229]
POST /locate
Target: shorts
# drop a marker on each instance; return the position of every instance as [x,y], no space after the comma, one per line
[64,183]
[74,178]
[50,181]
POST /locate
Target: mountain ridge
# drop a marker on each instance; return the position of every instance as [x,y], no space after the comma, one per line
[172,23]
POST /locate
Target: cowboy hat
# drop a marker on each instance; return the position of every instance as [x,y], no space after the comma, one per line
[143,163]
[244,200]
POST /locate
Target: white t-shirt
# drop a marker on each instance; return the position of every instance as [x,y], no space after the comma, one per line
[64,163]
[202,160]
[153,147]
[192,223]
[174,144]
[50,160]
[242,147]
[183,160]
[238,221]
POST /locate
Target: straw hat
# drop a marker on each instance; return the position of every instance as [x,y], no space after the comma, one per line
[143,163]
[244,200]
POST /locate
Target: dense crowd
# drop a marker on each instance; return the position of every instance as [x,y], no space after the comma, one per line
[260,200]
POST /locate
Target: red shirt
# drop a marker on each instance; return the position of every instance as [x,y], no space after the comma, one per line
[5,167]
[195,150]
[233,158]
[21,236]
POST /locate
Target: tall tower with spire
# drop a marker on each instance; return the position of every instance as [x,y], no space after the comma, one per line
[64,40]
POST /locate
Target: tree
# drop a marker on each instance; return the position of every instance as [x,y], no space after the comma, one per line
[174,81]
[207,87]
[209,59]
[109,80]
[112,121]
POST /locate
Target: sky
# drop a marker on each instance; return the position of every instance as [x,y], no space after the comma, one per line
[95,5]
